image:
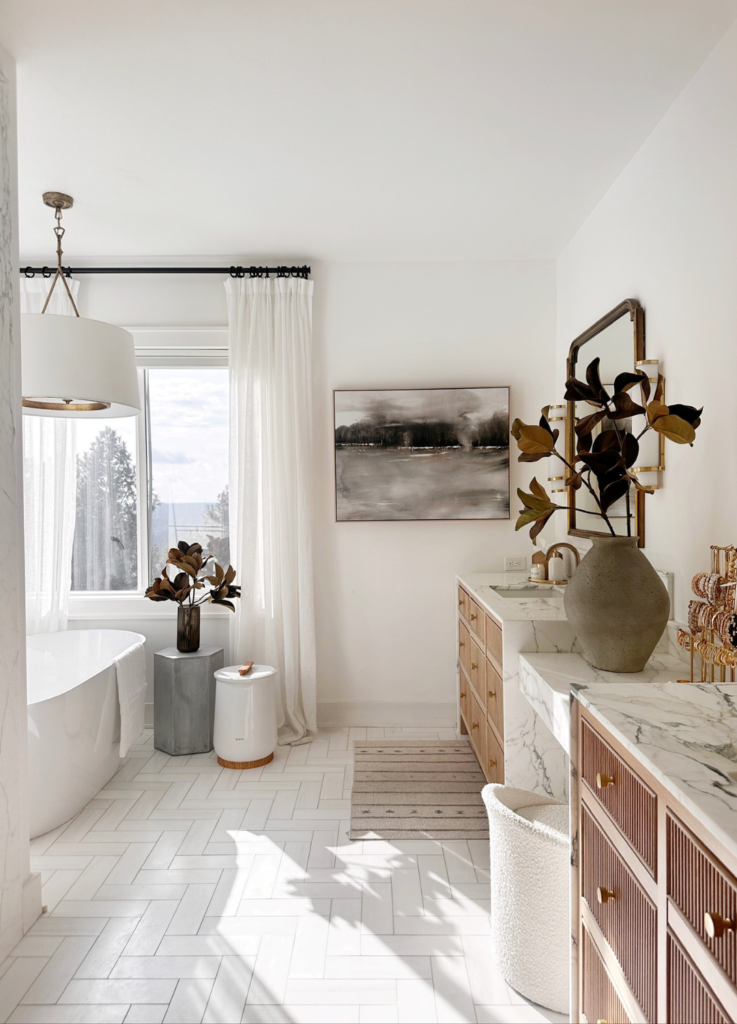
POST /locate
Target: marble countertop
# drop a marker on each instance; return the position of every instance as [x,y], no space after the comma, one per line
[542,603]
[684,735]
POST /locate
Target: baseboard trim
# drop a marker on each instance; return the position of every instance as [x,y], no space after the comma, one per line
[391,713]
[148,716]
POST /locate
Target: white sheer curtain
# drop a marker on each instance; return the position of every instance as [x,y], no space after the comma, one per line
[270,510]
[49,481]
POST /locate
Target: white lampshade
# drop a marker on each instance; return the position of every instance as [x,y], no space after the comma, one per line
[72,358]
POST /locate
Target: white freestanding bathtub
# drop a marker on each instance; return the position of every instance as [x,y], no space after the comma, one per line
[73,720]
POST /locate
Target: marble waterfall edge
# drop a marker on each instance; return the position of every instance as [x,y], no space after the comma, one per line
[534,759]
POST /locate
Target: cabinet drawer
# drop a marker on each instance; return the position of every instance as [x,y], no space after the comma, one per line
[494,641]
[464,647]
[689,997]
[477,669]
[464,699]
[463,600]
[494,764]
[476,619]
[477,729]
[626,798]
[495,697]
[626,916]
[698,885]
[600,999]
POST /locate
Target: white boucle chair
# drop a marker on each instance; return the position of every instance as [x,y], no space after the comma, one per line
[530,906]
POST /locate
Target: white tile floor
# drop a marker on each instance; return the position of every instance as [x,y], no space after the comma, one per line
[187,892]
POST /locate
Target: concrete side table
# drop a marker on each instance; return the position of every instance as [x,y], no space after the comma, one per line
[184,699]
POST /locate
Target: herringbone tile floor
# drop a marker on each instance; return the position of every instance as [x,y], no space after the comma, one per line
[188,892]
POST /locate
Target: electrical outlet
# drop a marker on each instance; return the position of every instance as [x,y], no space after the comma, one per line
[515,564]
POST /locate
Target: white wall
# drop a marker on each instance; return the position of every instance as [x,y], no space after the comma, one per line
[20,894]
[666,234]
[384,591]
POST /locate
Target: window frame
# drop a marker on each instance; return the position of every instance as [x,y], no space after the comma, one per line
[156,348]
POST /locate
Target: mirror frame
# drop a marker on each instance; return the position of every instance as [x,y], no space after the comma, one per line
[637,316]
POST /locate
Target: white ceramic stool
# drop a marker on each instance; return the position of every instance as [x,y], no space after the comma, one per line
[245,716]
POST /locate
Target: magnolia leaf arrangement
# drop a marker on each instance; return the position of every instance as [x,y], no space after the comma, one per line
[607,455]
[192,575]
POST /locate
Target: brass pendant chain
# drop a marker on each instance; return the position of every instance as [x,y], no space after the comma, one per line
[59,232]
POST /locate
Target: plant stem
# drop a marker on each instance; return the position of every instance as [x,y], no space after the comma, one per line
[601,511]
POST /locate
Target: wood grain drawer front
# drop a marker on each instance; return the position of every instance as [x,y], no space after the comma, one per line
[464,647]
[630,803]
[600,999]
[478,728]
[464,699]
[689,997]
[627,918]
[476,619]
[463,600]
[477,669]
[495,697]
[494,641]
[494,764]
[698,885]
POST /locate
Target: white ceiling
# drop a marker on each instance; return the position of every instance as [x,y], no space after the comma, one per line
[338,129]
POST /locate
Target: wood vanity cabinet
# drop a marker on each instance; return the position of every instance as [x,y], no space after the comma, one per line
[480,687]
[654,896]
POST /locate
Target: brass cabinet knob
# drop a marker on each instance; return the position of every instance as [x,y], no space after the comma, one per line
[603,780]
[461,643]
[473,618]
[463,693]
[474,665]
[603,894]
[716,925]
[492,764]
[492,693]
[474,725]
[460,602]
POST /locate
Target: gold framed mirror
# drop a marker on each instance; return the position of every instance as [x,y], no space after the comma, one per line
[618,339]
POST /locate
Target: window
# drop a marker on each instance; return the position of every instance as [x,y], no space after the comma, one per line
[143,484]
[105,553]
[188,430]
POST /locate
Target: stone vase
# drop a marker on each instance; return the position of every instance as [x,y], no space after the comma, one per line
[617,605]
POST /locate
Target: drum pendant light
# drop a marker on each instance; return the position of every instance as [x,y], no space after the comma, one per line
[72,366]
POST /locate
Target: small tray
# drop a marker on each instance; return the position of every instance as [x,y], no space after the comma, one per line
[548,583]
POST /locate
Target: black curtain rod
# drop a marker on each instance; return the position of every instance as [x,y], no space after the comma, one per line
[302,272]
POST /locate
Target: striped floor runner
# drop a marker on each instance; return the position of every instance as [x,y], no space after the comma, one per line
[417,789]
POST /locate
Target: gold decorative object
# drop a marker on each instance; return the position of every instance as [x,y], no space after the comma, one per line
[712,619]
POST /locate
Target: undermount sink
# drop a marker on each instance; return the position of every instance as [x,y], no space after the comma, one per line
[526,592]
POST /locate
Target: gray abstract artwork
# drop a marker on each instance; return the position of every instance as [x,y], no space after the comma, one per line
[425,453]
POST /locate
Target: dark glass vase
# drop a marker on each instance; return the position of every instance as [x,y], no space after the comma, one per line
[188,628]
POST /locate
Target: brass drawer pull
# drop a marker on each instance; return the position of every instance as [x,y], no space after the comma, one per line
[461,643]
[603,780]
[473,618]
[463,693]
[474,725]
[603,894]
[473,665]
[461,602]
[492,693]
[492,764]
[716,925]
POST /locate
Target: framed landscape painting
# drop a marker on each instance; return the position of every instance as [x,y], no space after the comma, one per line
[422,453]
